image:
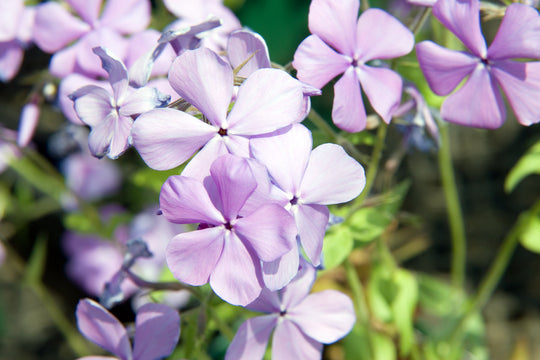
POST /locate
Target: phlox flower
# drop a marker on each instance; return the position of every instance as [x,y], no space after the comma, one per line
[308,181]
[479,103]
[111,116]
[341,44]
[157,329]
[56,28]
[231,241]
[16,22]
[268,99]
[301,322]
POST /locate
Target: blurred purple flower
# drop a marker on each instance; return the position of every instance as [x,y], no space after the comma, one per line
[309,180]
[268,100]
[478,103]
[111,116]
[55,28]
[301,322]
[194,12]
[230,243]
[157,329]
[419,128]
[2,253]
[8,148]
[341,44]
[16,22]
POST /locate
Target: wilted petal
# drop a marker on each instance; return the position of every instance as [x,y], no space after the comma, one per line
[184,200]
[165,138]
[311,221]
[157,329]
[93,104]
[444,69]
[242,45]
[236,278]
[521,84]
[235,183]
[325,316]
[519,34]
[126,16]
[11,57]
[383,88]
[271,231]
[332,176]
[27,123]
[115,68]
[102,37]
[193,256]
[462,17]
[251,338]
[289,342]
[348,112]
[478,103]
[102,328]
[317,63]
[335,23]
[285,154]
[203,79]
[55,27]
[379,35]
[268,100]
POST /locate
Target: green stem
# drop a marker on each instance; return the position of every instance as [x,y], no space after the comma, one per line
[455,216]
[76,342]
[416,26]
[499,265]
[372,168]
[357,289]
[317,120]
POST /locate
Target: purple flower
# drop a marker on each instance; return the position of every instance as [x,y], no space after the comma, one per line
[8,148]
[268,100]
[301,322]
[419,127]
[309,180]
[16,22]
[56,27]
[111,116]
[157,329]
[231,241]
[478,103]
[342,45]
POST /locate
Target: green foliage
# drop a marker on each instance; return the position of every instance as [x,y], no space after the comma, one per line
[36,264]
[528,164]
[338,244]
[393,297]
[368,223]
[530,236]
[153,179]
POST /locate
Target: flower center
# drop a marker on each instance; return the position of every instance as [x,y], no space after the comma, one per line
[294,200]
[222,132]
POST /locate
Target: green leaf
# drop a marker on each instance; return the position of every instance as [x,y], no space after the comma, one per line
[79,222]
[356,344]
[36,264]
[383,347]
[153,179]
[528,164]
[368,223]
[338,244]
[530,238]
[403,309]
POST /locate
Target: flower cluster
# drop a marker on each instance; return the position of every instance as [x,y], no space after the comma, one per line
[246,210]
